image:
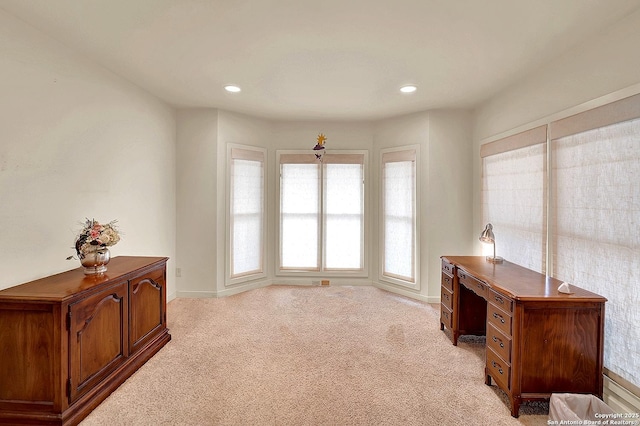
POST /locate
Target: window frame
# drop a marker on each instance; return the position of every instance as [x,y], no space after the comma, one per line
[322,270]
[251,153]
[406,151]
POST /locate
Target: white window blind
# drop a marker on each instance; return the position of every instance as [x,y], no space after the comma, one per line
[344,213]
[246,212]
[596,238]
[299,215]
[399,212]
[514,196]
[322,212]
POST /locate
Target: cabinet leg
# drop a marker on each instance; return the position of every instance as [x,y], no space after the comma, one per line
[441,326]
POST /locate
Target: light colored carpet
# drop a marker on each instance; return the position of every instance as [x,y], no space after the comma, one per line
[286,355]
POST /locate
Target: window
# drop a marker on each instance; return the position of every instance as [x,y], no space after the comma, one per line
[322,212]
[595,238]
[398,217]
[514,171]
[246,217]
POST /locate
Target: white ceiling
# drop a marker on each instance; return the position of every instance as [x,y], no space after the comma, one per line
[322,59]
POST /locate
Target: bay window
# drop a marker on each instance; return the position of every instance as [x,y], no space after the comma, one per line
[322,218]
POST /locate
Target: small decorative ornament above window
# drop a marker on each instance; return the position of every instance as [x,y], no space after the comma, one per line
[320,146]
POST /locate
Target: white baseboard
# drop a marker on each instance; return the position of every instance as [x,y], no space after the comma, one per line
[196,294]
[619,398]
[408,293]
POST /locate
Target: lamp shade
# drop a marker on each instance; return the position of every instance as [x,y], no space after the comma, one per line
[487,235]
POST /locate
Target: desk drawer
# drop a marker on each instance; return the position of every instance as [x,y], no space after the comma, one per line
[501,301]
[447,267]
[499,343]
[499,370]
[446,298]
[447,282]
[446,316]
[473,284]
[499,318]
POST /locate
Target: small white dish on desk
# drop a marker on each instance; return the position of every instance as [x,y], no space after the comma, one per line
[564,288]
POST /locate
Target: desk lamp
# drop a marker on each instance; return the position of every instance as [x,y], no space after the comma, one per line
[488,238]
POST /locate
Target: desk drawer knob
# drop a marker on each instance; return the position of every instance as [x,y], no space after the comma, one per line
[496,316]
[496,365]
[495,339]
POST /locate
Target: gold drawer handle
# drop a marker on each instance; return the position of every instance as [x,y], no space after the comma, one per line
[480,286]
[496,316]
[499,300]
[446,296]
[496,365]
[495,339]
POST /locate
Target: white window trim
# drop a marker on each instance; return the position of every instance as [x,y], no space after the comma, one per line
[399,281]
[229,280]
[331,273]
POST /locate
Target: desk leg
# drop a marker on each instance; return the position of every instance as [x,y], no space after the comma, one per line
[515,405]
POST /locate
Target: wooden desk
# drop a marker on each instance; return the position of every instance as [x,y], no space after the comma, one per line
[69,340]
[539,341]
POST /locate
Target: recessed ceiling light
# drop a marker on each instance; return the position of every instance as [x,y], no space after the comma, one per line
[410,88]
[232,88]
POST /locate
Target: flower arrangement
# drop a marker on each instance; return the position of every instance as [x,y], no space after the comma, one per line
[94,236]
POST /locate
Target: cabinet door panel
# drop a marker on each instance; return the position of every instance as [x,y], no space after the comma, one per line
[98,337]
[147,307]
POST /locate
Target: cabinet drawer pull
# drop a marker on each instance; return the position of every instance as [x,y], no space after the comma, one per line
[496,365]
[500,300]
[495,339]
[496,316]
[480,286]
[446,296]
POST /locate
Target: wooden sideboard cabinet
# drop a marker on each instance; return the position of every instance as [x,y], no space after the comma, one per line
[539,341]
[67,341]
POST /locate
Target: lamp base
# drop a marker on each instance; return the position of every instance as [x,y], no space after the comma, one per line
[494,259]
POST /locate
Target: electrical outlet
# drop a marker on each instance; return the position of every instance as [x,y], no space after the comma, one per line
[315,282]
[178,272]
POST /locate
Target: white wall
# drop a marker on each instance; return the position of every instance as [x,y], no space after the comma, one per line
[77,142]
[597,67]
[196,202]
[450,203]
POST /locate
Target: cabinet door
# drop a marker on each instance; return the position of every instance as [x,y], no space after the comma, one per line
[98,338]
[147,302]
